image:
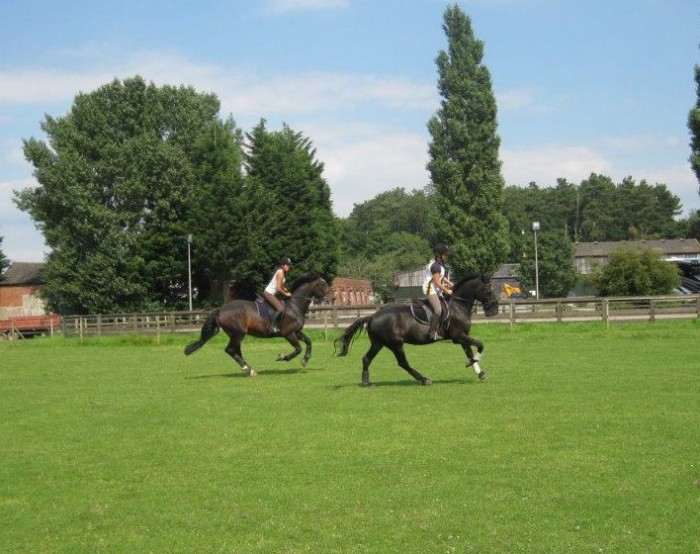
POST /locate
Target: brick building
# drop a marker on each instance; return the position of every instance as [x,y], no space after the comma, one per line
[352,292]
[19,291]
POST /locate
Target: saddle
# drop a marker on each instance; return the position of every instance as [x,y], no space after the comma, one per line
[264,309]
[422,311]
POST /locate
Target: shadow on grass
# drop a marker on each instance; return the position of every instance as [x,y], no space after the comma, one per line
[272,371]
[218,375]
[405,383]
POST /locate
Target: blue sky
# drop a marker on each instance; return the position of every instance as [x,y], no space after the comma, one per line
[582,85]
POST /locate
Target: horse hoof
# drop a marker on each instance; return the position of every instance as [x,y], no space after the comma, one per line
[426,382]
[280,358]
[483,376]
[304,361]
[367,384]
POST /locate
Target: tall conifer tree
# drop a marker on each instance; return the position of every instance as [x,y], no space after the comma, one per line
[694,126]
[464,165]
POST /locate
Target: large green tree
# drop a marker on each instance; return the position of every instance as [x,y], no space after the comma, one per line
[370,224]
[290,212]
[219,210]
[115,181]
[464,162]
[387,234]
[555,264]
[694,127]
[596,209]
[635,272]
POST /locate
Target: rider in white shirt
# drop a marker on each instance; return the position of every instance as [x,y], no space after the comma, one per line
[435,285]
[274,289]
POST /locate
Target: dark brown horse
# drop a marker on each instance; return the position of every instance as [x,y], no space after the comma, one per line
[242,317]
[395,324]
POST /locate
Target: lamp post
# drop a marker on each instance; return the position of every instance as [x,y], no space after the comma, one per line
[189,269]
[535,228]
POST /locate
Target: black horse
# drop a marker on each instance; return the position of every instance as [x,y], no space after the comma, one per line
[239,318]
[396,324]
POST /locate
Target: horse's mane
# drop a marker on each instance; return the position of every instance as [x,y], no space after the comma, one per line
[302,280]
[467,277]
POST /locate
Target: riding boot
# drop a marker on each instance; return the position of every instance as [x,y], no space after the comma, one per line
[274,322]
[434,332]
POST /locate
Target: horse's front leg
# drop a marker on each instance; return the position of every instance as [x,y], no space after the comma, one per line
[307,351]
[294,341]
[473,359]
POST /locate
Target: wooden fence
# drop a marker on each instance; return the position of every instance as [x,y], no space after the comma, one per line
[512,312]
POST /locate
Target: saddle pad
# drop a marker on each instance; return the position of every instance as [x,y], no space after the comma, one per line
[263,308]
[422,311]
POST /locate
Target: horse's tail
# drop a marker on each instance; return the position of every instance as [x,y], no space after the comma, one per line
[344,342]
[209,329]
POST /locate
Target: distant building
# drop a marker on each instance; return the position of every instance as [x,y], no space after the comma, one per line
[352,292]
[19,290]
[589,254]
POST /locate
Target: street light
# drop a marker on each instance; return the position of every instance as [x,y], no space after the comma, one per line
[535,228]
[189,269]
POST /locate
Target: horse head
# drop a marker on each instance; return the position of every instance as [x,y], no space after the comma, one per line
[477,287]
[311,286]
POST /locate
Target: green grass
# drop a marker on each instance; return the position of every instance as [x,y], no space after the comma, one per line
[583,440]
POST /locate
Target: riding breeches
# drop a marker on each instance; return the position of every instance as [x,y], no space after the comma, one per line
[273,301]
[435,303]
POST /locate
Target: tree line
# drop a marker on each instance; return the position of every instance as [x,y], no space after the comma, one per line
[133,170]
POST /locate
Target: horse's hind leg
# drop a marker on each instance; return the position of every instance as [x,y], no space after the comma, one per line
[400,355]
[366,360]
[233,349]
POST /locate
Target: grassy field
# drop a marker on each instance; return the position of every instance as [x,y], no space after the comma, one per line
[582,440]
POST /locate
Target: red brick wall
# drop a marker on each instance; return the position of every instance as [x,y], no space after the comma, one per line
[11,296]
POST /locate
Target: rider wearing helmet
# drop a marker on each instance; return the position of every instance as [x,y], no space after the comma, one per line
[435,285]
[274,289]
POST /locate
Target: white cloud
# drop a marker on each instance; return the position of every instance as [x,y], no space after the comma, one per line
[13,154]
[518,99]
[277,7]
[21,240]
[242,92]
[359,168]
[546,164]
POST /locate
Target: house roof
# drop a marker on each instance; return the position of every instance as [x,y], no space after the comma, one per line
[506,271]
[23,273]
[667,247]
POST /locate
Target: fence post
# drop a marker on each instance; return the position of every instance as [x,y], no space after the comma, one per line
[558,311]
[325,324]
[335,316]
[512,313]
[652,311]
[606,313]
[99,325]
[697,310]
